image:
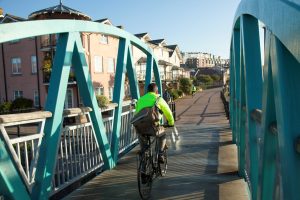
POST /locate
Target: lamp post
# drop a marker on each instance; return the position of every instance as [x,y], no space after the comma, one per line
[222,70]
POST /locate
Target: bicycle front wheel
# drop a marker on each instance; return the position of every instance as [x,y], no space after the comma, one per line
[144,176]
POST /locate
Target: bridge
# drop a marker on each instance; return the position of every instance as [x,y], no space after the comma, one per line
[204,160]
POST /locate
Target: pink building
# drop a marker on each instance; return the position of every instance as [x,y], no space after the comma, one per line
[26,64]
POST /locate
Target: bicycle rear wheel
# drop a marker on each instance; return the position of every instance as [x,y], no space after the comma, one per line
[144,176]
[164,166]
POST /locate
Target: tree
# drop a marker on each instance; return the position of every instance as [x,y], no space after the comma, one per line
[205,79]
[215,77]
[185,84]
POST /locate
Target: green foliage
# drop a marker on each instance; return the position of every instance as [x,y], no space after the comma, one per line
[180,93]
[174,94]
[185,84]
[215,77]
[102,101]
[5,107]
[21,103]
[205,79]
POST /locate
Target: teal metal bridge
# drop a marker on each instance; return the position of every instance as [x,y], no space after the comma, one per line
[264,106]
[264,102]
[69,53]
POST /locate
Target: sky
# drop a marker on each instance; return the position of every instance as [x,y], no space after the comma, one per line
[195,25]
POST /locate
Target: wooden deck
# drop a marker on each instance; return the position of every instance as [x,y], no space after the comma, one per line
[202,162]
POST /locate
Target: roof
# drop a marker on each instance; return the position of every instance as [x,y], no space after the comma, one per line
[59,9]
[174,48]
[143,60]
[157,42]
[11,18]
[104,21]
[120,27]
[141,35]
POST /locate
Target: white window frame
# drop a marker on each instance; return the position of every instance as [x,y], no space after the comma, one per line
[36,98]
[111,93]
[33,65]
[99,90]
[110,65]
[18,65]
[98,64]
[103,39]
[18,94]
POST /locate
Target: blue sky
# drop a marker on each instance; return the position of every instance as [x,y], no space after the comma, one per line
[195,25]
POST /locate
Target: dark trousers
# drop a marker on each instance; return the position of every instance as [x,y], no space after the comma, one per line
[162,141]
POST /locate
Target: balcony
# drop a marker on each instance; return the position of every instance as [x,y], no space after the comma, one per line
[47,44]
[46,79]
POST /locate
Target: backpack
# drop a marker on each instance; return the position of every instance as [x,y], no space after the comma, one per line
[146,121]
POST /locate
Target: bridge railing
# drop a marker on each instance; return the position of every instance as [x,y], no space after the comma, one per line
[264,98]
[78,150]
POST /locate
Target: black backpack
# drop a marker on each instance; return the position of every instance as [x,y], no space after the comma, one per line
[146,121]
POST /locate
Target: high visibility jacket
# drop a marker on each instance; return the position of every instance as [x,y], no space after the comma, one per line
[194,89]
[149,99]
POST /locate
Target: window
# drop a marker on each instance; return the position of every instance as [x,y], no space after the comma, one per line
[33,65]
[69,98]
[98,64]
[16,65]
[111,92]
[103,39]
[99,90]
[18,94]
[111,65]
[36,99]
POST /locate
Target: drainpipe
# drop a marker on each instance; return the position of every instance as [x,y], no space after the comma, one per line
[37,73]
[89,49]
[4,72]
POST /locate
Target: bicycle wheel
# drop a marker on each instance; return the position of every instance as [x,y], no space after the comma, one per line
[144,176]
[164,166]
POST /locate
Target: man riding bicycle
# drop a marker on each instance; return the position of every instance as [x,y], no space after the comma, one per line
[149,100]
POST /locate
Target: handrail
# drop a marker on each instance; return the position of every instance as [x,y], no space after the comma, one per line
[11,118]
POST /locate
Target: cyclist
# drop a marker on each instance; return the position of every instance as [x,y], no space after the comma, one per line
[148,100]
[194,89]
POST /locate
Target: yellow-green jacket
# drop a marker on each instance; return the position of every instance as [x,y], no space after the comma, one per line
[194,88]
[149,99]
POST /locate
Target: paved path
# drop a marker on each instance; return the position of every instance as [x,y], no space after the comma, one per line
[202,163]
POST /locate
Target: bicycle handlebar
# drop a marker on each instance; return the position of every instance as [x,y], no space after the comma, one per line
[167,126]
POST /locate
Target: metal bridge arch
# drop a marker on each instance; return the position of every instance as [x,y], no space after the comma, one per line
[70,52]
[264,98]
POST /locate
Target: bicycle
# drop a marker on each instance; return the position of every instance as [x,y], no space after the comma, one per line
[149,165]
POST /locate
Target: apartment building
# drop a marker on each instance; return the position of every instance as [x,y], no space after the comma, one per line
[25,65]
[199,59]
[168,56]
